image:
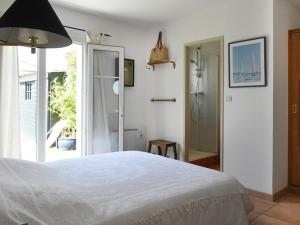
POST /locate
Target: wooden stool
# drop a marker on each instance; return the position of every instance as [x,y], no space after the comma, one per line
[163,144]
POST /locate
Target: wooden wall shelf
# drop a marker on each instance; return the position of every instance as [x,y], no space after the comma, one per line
[154,65]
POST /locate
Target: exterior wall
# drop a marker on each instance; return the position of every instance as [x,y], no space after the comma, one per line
[28,112]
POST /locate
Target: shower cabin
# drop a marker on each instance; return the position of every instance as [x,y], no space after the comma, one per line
[204,76]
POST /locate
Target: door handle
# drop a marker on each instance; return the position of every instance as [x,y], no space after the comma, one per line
[294,108]
[118,111]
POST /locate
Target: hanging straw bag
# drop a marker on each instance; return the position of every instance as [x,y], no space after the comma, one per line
[159,54]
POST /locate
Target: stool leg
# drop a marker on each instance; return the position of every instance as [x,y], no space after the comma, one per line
[159,150]
[149,148]
[175,151]
[166,151]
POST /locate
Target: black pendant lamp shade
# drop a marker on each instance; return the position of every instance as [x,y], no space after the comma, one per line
[32,23]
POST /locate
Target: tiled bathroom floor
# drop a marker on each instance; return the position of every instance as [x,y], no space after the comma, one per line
[196,155]
[285,211]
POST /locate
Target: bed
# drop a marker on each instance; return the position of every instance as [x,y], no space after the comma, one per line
[123,188]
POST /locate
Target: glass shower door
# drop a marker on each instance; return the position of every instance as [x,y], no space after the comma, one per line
[106,99]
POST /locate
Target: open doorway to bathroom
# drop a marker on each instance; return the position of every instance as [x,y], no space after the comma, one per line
[203,108]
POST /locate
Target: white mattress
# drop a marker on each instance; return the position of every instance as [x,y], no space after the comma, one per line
[128,188]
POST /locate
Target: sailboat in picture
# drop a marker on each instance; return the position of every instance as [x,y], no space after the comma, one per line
[247,72]
[256,74]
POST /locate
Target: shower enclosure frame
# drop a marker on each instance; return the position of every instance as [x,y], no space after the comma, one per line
[220,96]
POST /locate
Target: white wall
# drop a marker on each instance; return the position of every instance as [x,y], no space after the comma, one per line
[248,119]
[286,17]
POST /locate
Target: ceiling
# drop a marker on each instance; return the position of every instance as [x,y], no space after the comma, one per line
[145,12]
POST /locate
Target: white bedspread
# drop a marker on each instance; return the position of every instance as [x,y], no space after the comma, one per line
[128,188]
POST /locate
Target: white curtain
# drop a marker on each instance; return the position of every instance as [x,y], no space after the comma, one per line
[101,130]
[9,103]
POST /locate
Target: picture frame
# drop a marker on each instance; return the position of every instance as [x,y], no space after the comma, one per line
[129,73]
[247,63]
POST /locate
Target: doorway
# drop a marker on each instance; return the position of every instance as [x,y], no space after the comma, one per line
[294,108]
[203,105]
[49,100]
[64,68]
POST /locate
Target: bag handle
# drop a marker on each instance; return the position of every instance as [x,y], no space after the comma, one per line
[159,41]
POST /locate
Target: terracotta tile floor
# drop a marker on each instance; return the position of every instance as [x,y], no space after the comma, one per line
[285,211]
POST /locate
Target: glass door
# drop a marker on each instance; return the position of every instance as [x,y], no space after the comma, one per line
[52,101]
[63,69]
[105,99]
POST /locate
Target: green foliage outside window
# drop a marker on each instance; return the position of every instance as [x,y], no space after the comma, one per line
[62,96]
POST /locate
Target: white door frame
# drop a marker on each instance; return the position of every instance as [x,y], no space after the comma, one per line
[79,38]
[42,102]
[89,94]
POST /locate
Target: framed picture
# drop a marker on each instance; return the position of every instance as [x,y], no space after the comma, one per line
[129,72]
[247,63]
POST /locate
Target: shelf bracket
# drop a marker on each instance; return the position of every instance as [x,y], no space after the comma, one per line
[153,65]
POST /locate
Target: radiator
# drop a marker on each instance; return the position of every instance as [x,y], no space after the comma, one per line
[134,140]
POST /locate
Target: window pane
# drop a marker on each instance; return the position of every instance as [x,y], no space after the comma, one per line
[28,102]
[105,115]
[105,101]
